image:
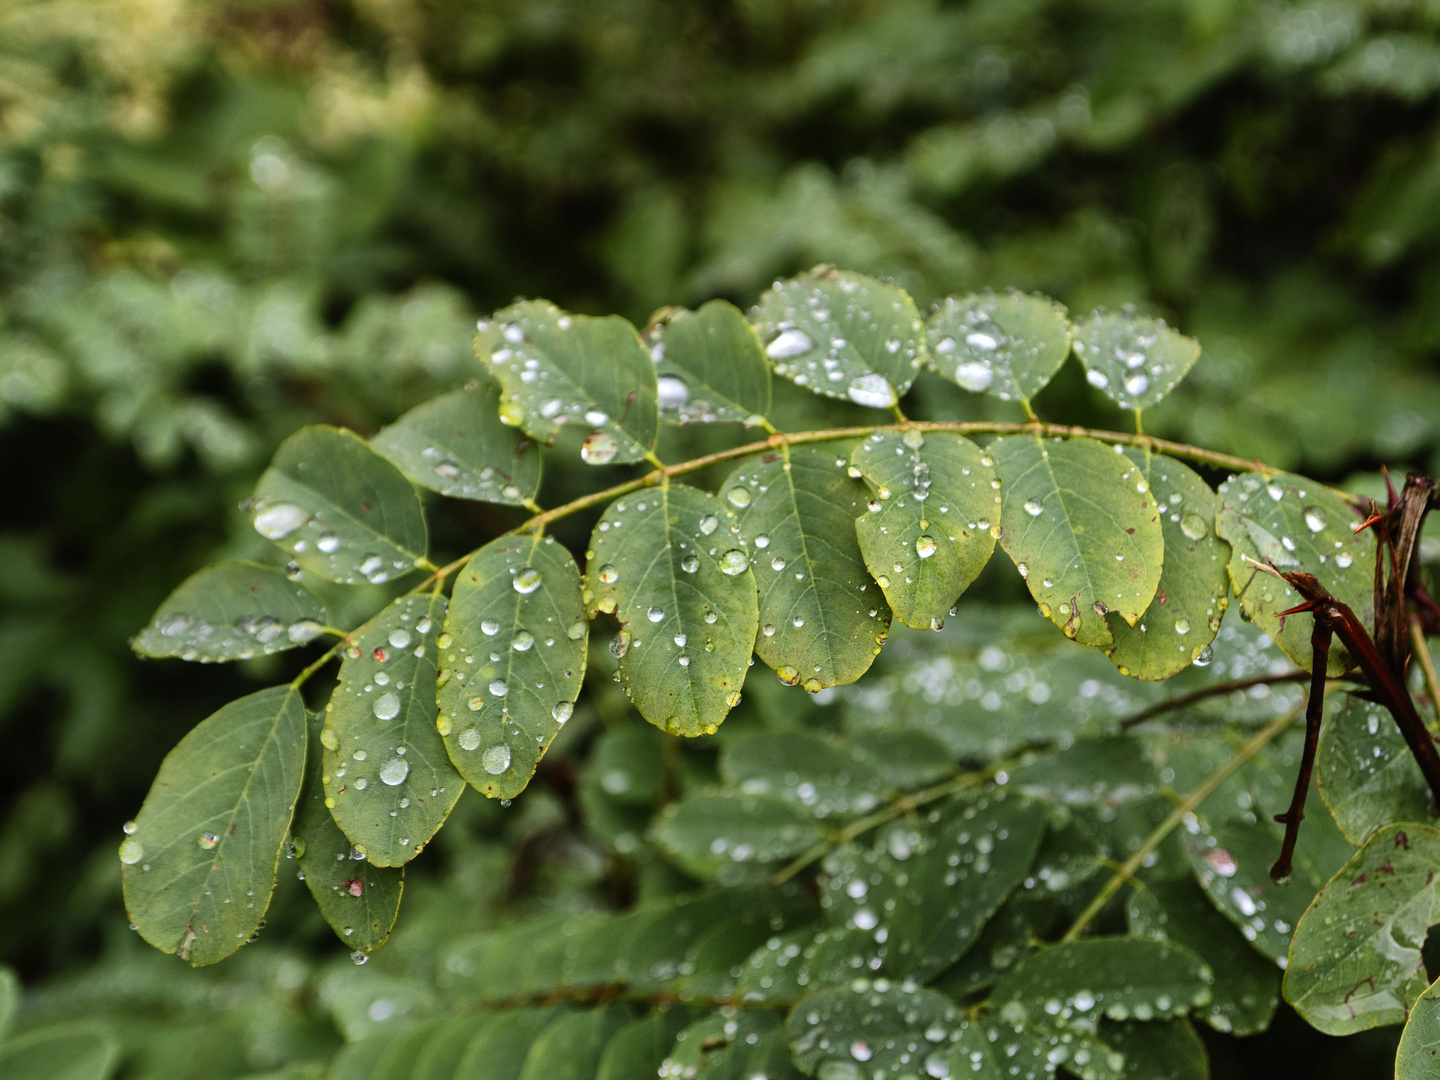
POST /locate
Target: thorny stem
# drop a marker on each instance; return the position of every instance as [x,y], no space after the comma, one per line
[1421,651]
[1187,806]
[1217,690]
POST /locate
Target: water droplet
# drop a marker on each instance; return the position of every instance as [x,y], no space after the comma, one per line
[131,851]
[872,390]
[496,759]
[444,641]
[860,1051]
[594,417]
[394,771]
[562,711]
[762,541]
[738,497]
[655,614]
[777,563]
[527,581]
[974,375]
[576,631]
[734,561]
[1343,559]
[1097,379]
[1137,384]
[1194,526]
[208,840]
[690,564]
[490,627]
[799,621]
[789,343]
[399,638]
[1287,542]
[304,630]
[1182,626]
[1205,656]
[328,542]
[620,644]
[358,957]
[387,706]
[1314,519]
[708,524]
[608,574]
[279,521]
[469,738]
[925,546]
[1275,491]
[672,391]
[768,629]
[523,641]
[599,449]
[498,688]
[1033,507]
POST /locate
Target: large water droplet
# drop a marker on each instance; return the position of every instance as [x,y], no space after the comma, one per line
[789,343]
[599,449]
[328,542]
[131,851]
[399,637]
[708,524]
[690,564]
[1314,519]
[469,738]
[974,375]
[387,706]
[1205,656]
[208,840]
[523,641]
[734,562]
[394,771]
[925,546]
[527,580]
[499,688]
[872,390]
[278,521]
[1137,384]
[655,614]
[562,711]
[1194,526]
[496,759]
[1344,559]
[1182,626]
[608,574]
[672,391]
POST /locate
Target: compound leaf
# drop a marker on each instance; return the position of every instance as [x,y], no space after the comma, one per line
[1365,770]
[1419,1049]
[232,611]
[744,1047]
[555,368]
[843,335]
[511,660]
[1009,346]
[340,509]
[709,833]
[670,565]
[1081,524]
[709,366]
[200,861]
[457,445]
[822,617]
[1135,360]
[927,534]
[892,1031]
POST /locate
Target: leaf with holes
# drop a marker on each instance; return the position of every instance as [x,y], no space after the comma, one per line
[232,611]
[893,1032]
[511,660]
[457,445]
[555,368]
[1295,524]
[927,533]
[670,565]
[822,617]
[1009,346]
[388,781]
[1081,524]
[1135,360]
[340,509]
[709,366]
[1365,770]
[1194,588]
[843,335]
[200,861]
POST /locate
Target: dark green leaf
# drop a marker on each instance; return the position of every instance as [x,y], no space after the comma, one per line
[885,1030]
[1081,523]
[499,1049]
[439,1058]
[641,1047]
[555,368]
[709,834]
[1296,524]
[388,781]
[396,1061]
[843,335]
[803,769]
[232,611]
[1170,1051]
[511,660]
[455,444]
[928,532]
[973,1057]
[1194,588]
[1365,770]
[1136,361]
[1419,1051]
[669,564]
[822,618]
[570,1048]
[902,758]
[59,1053]
[200,862]
[9,998]
[709,366]
[747,1046]
[340,509]
[1009,346]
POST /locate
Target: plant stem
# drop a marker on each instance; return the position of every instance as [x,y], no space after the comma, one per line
[1187,806]
[1218,690]
[1421,652]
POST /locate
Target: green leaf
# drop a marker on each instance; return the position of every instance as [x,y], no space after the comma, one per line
[570,1048]
[9,998]
[743,1047]
[933,887]
[358,899]
[973,1055]
[340,509]
[59,1053]
[555,368]
[803,769]
[670,565]
[232,611]
[822,617]
[1246,987]
[1365,770]
[455,444]
[200,862]
[1081,524]
[927,534]
[710,366]
[388,781]
[843,335]
[440,1057]
[887,1031]
[1419,1050]
[511,660]
[499,1048]
[396,1061]
[1076,982]
[1194,588]
[1355,962]
[710,834]
[641,1047]
[1296,524]
[1009,346]
[1135,360]
[1171,1051]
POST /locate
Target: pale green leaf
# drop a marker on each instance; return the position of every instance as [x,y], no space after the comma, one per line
[1169,1051]
[926,534]
[1135,360]
[1081,524]
[358,899]
[1355,962]
[9,998]
[711,834]
[709,366]
[932,887]
[1418,1055]
[890,1032]
[670,565]
[822,617]
[804,769]
[1076,982]
[388,781]
[499,1048]
[232,611]
[200,863]
[1009,346]
[512,660]
[570,1048]
[843,335]
[397,1060]
[1194,588]
[339,509]
[456,444]
[440,1057]
[1365,770]
[59,1053]
[555,368]
[1295,524]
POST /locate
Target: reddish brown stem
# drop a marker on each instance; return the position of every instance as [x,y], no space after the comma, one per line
[1320,637]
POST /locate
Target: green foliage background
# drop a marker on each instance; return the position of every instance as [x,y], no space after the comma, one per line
[219,222]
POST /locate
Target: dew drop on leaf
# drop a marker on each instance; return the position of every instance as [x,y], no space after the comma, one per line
[1194,527]
[608,574]
[394,771]
[599,449]
[1314,519]
[562,711]
[496,759]
[387,706]
[739,497]
[734,561]
[1033,507]
[708,524]
[925,546]
[527,580]
[131,851]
